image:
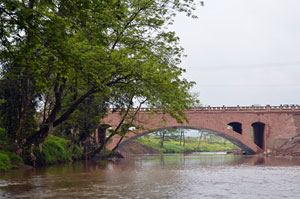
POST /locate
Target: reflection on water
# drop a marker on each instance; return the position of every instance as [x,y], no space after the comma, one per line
[160,176]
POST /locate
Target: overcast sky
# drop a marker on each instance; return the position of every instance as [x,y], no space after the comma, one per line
[243,52]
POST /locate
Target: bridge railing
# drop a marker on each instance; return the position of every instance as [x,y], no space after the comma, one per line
[267,108]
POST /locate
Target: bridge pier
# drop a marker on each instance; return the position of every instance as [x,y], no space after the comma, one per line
[259,134]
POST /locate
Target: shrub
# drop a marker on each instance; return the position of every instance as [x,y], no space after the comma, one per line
[5,162]
[14,158]
[55,150]
[76,152]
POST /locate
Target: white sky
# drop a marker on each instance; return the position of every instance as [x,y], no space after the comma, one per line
[243,52]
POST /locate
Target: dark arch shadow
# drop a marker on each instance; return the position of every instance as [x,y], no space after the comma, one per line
[259,134]
[235,141]
[236,127]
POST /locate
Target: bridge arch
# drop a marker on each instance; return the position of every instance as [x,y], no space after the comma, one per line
[234,140]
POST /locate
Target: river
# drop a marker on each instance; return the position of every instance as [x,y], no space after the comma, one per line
[201,175]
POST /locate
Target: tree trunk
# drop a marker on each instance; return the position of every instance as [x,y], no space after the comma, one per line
[180,136]
[117,145]
[102,134]
[51,122]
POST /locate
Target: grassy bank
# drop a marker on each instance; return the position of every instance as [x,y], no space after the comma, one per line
[55,149]
[9,160]
[173,146]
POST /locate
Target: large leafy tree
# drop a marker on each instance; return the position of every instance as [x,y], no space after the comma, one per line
[57,55]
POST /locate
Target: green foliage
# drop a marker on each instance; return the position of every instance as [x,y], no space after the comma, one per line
[14,158]
[9,160]
[83,122]
[11,89]
[5,162]
[55,150]
[76,152]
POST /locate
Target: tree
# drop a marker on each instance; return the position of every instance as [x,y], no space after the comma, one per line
[182,137]
[58,55]
[200,139]
[166,135]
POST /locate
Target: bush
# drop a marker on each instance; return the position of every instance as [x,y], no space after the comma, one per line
[5,162]
[55,150]
[76,152]
[14,158]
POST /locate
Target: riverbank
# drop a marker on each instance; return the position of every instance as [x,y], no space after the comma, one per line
[55,150]
[134,148]
[290,148]
[9,160]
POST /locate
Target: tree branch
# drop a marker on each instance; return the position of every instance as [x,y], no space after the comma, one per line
[131,122]
[74,106]
[131,18]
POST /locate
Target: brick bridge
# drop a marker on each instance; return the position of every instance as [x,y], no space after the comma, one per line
[254,129]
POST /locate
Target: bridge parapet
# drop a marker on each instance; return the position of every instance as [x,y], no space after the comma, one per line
[267,108]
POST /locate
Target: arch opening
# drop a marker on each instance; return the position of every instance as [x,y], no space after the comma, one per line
[235,126]
[259,134]
[234,140]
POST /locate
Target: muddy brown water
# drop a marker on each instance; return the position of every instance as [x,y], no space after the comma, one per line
[160,176]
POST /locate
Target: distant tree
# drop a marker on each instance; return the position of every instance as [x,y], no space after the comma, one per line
[200,139]
[182,137]
[167,135]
